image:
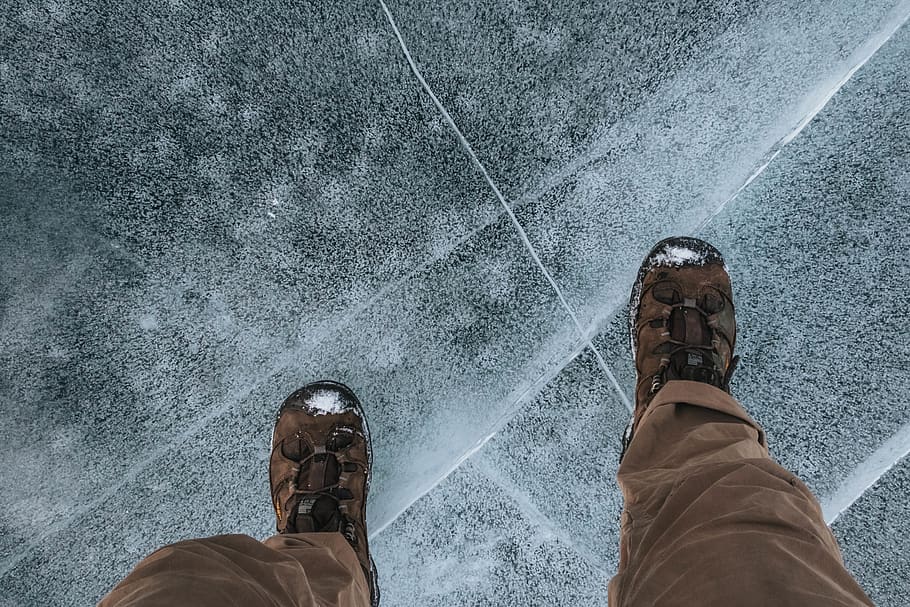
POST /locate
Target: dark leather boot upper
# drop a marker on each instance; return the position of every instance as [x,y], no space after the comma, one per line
[682,318]
[320,465]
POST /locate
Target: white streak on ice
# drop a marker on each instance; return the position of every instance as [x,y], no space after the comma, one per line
[858,59]
[518,227]
[518,402]
[606,369]
[515,493]
[867,473]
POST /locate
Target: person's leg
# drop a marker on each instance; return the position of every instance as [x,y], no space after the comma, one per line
[710,519]
[319,471]
[293,570]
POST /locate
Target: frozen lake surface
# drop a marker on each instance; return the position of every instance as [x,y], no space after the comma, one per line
[442,205]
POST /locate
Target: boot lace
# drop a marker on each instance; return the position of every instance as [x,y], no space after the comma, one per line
[308,497]
[699,358]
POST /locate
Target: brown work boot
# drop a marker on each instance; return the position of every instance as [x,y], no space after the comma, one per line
[681,320]
[320,468]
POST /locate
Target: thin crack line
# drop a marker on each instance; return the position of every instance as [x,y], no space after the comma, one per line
[867,474]
[606,369]
[511,490]
[866,52]
[518,227]
[527,394]
[861,57]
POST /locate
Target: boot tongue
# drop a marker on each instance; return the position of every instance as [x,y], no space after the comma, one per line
[317,513]
[689,326]
[323,471]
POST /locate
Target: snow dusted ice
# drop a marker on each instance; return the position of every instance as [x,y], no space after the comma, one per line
[145,189]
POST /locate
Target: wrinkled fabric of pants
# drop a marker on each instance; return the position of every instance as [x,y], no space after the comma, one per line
[293,570]
[711,520]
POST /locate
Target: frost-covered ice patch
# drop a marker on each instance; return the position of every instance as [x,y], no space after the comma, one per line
[326,402]
[148,322]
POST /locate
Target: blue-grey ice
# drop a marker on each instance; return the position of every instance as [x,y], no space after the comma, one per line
[205,206]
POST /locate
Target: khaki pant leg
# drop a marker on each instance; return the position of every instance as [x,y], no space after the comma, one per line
[711,520]
[294,570]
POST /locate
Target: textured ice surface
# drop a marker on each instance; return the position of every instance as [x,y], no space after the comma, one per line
[471,543]
[875,541]
[151,290]
[561,453]
[629,122]
[203,207]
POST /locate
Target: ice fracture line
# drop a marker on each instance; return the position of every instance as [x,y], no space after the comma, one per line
[867,473]
[545,523]
[859,57]
[518,227]
[533,389]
